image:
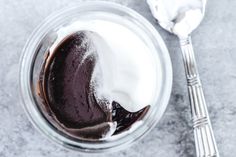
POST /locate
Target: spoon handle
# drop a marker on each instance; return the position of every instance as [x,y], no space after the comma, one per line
[204,138]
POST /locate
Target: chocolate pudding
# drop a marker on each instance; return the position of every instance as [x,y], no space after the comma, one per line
[67,88]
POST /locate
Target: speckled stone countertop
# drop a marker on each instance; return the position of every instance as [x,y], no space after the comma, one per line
[215,46]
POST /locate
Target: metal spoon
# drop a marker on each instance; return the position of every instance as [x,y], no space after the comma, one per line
[181,17]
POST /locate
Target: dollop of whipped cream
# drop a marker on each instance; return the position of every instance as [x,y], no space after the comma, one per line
[180,17]
[125,71]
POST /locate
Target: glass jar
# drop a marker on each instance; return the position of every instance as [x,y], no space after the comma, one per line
[44,36]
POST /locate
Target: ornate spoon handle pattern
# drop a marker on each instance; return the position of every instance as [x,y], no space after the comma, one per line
[203,134]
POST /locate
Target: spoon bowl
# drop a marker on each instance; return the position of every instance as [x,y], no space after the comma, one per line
[179,17]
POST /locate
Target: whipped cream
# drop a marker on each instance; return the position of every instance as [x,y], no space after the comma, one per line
[178,16]
[126,70]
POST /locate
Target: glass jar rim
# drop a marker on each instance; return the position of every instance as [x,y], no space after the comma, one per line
[25,83]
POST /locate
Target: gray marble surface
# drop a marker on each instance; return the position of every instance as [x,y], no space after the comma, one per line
[215,44]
